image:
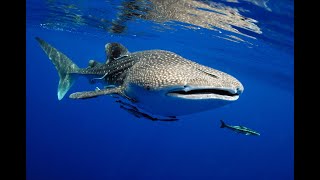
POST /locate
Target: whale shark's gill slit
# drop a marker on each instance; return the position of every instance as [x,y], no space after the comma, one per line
[205,91]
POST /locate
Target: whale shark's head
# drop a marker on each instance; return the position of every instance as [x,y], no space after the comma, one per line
[219,86]
[165,83]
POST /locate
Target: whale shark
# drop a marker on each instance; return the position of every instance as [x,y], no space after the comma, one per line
[149,82]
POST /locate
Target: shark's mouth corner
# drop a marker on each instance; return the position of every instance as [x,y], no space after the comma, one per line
[206,93]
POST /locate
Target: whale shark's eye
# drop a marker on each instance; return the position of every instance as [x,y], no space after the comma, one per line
[148,88]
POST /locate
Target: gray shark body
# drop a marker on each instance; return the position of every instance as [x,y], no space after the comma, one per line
[157,81]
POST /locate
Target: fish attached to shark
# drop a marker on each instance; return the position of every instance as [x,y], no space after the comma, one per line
[154,82]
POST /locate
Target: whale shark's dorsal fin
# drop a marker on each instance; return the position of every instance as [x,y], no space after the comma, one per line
[115,51]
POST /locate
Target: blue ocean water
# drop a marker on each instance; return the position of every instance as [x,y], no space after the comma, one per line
[96,139]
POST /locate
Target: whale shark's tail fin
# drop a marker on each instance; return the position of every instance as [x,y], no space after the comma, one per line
[66,68]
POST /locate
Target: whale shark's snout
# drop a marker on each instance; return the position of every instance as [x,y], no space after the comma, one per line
[214,85]
[210,84]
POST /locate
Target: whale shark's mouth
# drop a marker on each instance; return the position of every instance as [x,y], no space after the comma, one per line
[206,93]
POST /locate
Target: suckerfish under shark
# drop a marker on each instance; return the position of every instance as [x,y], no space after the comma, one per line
[157,82]
[239,129]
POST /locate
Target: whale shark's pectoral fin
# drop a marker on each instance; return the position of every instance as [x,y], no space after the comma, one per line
[97,92]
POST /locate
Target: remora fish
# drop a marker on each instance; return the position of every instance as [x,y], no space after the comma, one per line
[157,81]
[239,129]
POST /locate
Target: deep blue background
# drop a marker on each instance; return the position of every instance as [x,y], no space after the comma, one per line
[95,139]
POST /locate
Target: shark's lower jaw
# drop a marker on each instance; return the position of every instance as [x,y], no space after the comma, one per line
[207,93]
